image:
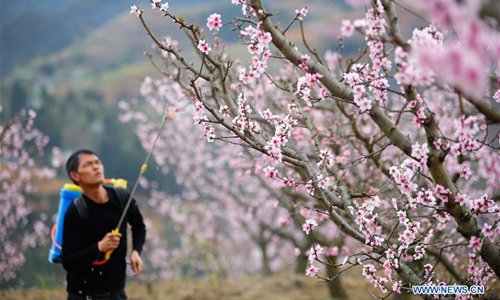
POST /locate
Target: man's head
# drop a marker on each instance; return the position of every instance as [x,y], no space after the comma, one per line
[84,167]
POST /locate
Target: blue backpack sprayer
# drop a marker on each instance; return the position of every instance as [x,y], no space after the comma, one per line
[68,194]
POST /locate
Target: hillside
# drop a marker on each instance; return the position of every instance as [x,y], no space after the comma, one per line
[33,29]
[36,28]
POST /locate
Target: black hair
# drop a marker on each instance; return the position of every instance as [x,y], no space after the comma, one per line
[73,161]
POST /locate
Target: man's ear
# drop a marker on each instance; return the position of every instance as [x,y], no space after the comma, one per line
[74,176]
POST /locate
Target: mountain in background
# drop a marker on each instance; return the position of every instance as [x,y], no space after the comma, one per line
[31,29]
[13,9]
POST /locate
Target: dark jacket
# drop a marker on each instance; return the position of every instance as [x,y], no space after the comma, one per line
[80,238]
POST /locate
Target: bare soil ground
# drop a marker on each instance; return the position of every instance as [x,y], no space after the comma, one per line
[284,286]
[277,287]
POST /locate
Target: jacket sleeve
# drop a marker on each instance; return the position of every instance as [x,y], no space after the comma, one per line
[74,257]
[138,228]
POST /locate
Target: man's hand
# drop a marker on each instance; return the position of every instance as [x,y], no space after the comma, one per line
[136,262]
[110,241]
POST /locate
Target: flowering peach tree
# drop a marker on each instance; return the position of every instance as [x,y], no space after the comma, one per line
[393,151]
[20,228]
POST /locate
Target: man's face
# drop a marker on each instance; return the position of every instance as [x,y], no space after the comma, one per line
[90,170]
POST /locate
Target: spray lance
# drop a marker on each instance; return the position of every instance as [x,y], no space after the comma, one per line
[168,115]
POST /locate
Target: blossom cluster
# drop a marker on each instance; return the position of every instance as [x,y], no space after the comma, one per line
[258,47]
[306,83]
[281,136]
[20,143]
[242,121]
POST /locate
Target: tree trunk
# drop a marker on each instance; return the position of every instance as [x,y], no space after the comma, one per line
[402,296]
[301,263]
[334,286]
[266,265]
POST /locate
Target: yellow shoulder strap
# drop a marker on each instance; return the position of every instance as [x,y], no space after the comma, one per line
[116,182]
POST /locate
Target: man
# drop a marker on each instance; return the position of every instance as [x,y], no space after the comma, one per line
[87,238]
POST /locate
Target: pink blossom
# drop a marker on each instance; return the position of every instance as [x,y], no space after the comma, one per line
[155,3]
[309,226]
[442,193]
[57,158]
[314,252]
[475,243]
[369,271]
[302,13]
[135,11]
[488,230]
[324,183]
[437,144]
[304,212]
[402,217]
[375,23]
[426,198]
[283,221]
[360,23]
[270,172]
[364,104]
[224,110]
[333,251]
[497,96]
[318,249]
[352,78]
[482,205]
[466,172]
[303,60]
[255,127]
[442,217]
[258,41]
[289,182]
[428,269]
[456,65]
[312,270]
[396,287]
[332,59]
[420,153]
[466,131]
[419,117]
[419,252]
[203,47]
[164,7]
[214,22]
[428,237]
[209,132]
[409,235]
[346,29]
[390,264]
